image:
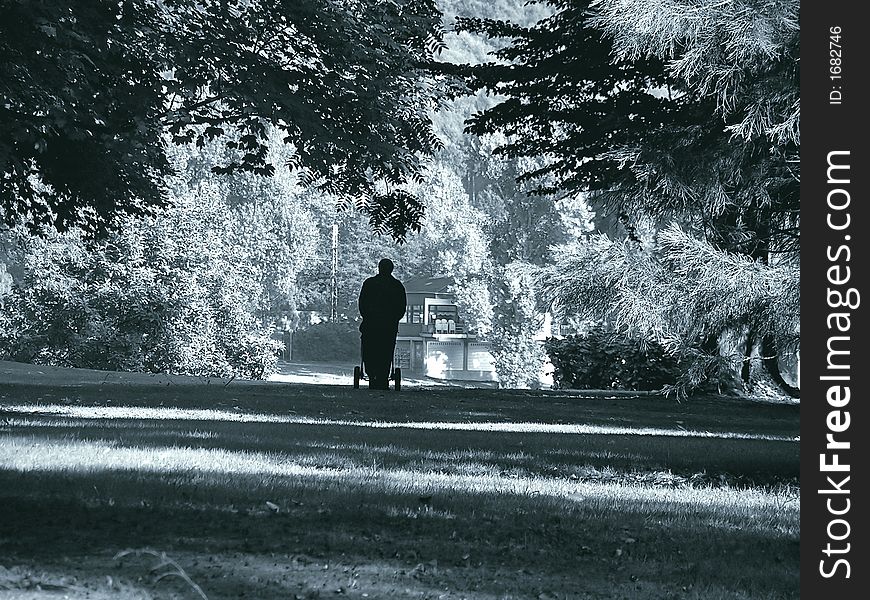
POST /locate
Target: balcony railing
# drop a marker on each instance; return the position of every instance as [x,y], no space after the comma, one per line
[444,326]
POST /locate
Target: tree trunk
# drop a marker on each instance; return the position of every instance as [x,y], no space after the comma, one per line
[746,367]
[771,365]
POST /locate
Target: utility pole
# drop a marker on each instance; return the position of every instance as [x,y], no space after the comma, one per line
[333,314]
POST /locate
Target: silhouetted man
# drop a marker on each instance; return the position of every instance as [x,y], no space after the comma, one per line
[382,303]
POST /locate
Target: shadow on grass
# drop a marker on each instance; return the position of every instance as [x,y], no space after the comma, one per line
[547,433]
[579,455]
[320,503]
[704,413]
[495,542]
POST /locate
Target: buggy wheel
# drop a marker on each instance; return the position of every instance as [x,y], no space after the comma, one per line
[397,376]
[357,375]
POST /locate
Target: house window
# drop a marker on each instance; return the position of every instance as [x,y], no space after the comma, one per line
[442,311]
[443,318]
[414,314]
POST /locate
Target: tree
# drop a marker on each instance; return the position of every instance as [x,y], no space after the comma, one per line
[677,111]
[163,295]
[564,97]
[195,289]
[500,299]
[5,283]
[79,115]
[682,293]
[453,241]
[90,88]
[736,153]
[500,303]
[271,225]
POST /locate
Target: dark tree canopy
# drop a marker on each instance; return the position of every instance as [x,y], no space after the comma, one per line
[692,120]
[669,111]
[91,88]
[566,98]
[80,111]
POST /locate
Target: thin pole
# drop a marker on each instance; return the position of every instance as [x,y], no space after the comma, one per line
[334,308]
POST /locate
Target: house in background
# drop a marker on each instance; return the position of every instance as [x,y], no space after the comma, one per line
[434,341]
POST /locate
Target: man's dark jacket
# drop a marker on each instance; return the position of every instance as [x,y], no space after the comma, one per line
[382,303]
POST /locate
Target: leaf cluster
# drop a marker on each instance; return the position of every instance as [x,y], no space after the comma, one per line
[90,88]
[600,359]
[685,294]
[167,295]
[682,108]
[566,97]
[80,105]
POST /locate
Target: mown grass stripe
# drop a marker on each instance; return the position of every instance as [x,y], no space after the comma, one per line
[168,413]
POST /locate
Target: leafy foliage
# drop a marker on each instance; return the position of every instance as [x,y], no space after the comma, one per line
[737,158]
[683,293]
[270,225]
[92,87]
[499,298]
[518,355]
[5,282]
[600,359]
[79,112]
[676,113]
[453,242]
[565,97]
[327,342]
[161,296]
[683,108]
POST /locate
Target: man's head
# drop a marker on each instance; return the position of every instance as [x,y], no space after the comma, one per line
[385,266]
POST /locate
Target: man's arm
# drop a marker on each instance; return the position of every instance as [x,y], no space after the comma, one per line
[401,302]
[364,301]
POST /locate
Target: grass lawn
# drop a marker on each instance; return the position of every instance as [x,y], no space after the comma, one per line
[230,490]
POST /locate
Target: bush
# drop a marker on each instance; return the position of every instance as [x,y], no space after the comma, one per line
[327,342]
[148,299]
[601,359]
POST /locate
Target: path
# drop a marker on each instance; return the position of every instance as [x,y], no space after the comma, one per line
[287,372]
[342,374]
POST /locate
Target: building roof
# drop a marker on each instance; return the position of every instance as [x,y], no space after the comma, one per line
[428,285]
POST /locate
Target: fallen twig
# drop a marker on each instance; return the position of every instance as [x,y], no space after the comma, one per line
[175,569]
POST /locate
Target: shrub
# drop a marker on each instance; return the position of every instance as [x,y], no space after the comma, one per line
[152,299]
[601,359]
[327,342]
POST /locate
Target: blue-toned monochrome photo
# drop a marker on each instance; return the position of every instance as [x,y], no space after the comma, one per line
[394,299]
